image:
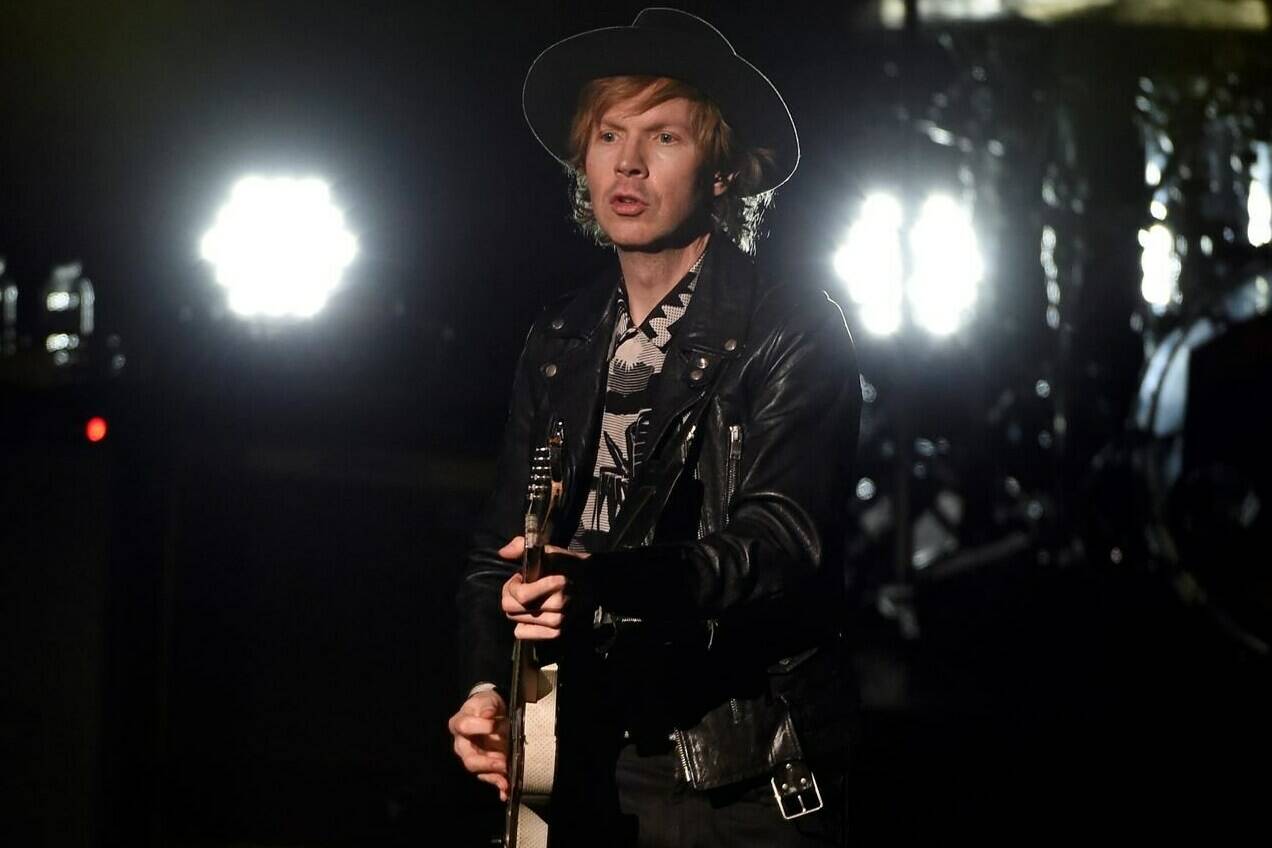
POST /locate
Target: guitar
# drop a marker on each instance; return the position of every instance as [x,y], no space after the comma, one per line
[532,708]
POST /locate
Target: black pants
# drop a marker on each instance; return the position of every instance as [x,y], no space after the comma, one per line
[637,802]
[658,812]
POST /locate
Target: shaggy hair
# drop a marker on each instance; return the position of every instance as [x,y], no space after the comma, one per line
[737,212]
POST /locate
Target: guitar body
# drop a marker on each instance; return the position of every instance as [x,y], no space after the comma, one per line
[532,764]
[532,709]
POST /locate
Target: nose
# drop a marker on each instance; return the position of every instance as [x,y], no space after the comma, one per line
[631,160]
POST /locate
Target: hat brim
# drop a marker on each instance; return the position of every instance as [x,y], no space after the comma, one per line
[747,99]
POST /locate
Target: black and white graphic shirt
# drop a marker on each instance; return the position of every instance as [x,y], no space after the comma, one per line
[636,359]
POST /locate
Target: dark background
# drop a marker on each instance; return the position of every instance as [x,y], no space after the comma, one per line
[230,622]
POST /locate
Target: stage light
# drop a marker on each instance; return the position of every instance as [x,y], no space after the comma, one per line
[1258,203]
[61,301]
[1260,209]
[95,429]
[870,263]
[61,341]
[1160,265]
[945,262]
[947,266]
[279,246]
[1152,172]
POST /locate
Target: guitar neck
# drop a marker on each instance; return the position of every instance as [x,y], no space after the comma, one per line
[532,564]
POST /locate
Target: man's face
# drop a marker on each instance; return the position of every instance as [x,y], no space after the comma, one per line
[644,173]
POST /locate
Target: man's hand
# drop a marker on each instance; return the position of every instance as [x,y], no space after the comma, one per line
[481,742]
[537,608]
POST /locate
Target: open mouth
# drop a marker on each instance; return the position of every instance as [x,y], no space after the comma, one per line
[627,204]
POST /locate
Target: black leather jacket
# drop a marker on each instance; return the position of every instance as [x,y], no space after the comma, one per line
[725,568]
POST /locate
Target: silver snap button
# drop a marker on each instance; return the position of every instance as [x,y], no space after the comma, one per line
[549,370]
[557,323]
[731,344]
[700,362]
[695,374]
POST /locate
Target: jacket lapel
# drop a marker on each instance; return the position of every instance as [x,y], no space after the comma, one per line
[713,332]
[575,375]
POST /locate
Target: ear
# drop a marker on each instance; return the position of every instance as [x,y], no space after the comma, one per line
[720,183]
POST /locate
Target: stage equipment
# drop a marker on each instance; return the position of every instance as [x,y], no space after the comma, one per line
[1192,14]
[68,321]
[1201,425]
[1198,430]
[1207,175]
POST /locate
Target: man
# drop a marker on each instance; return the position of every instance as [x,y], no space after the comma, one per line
[710,421]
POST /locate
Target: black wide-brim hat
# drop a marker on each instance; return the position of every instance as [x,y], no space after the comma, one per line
[666,43]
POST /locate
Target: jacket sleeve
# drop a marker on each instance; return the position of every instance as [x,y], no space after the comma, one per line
[485,635]
[800,435]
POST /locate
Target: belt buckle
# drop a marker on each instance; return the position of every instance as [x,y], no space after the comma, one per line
[798,794]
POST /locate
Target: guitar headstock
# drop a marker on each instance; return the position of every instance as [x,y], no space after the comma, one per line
[545,488]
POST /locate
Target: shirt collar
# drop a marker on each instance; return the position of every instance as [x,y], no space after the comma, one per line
[686,285]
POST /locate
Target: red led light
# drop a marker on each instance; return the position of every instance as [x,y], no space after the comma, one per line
[95,429]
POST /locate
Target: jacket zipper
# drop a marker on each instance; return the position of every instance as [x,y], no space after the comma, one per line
[697,475]
[702,518]
[731,472]
[682,749]
[731,479]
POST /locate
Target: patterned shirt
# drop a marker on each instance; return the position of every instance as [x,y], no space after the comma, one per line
[635,361]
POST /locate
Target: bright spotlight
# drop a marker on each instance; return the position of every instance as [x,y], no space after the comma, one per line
[947,266]
[1160,265]
[279,246]
[870,263]
[1259,206]
[1258,202]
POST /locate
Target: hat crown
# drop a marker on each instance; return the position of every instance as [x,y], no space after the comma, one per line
[663,17]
